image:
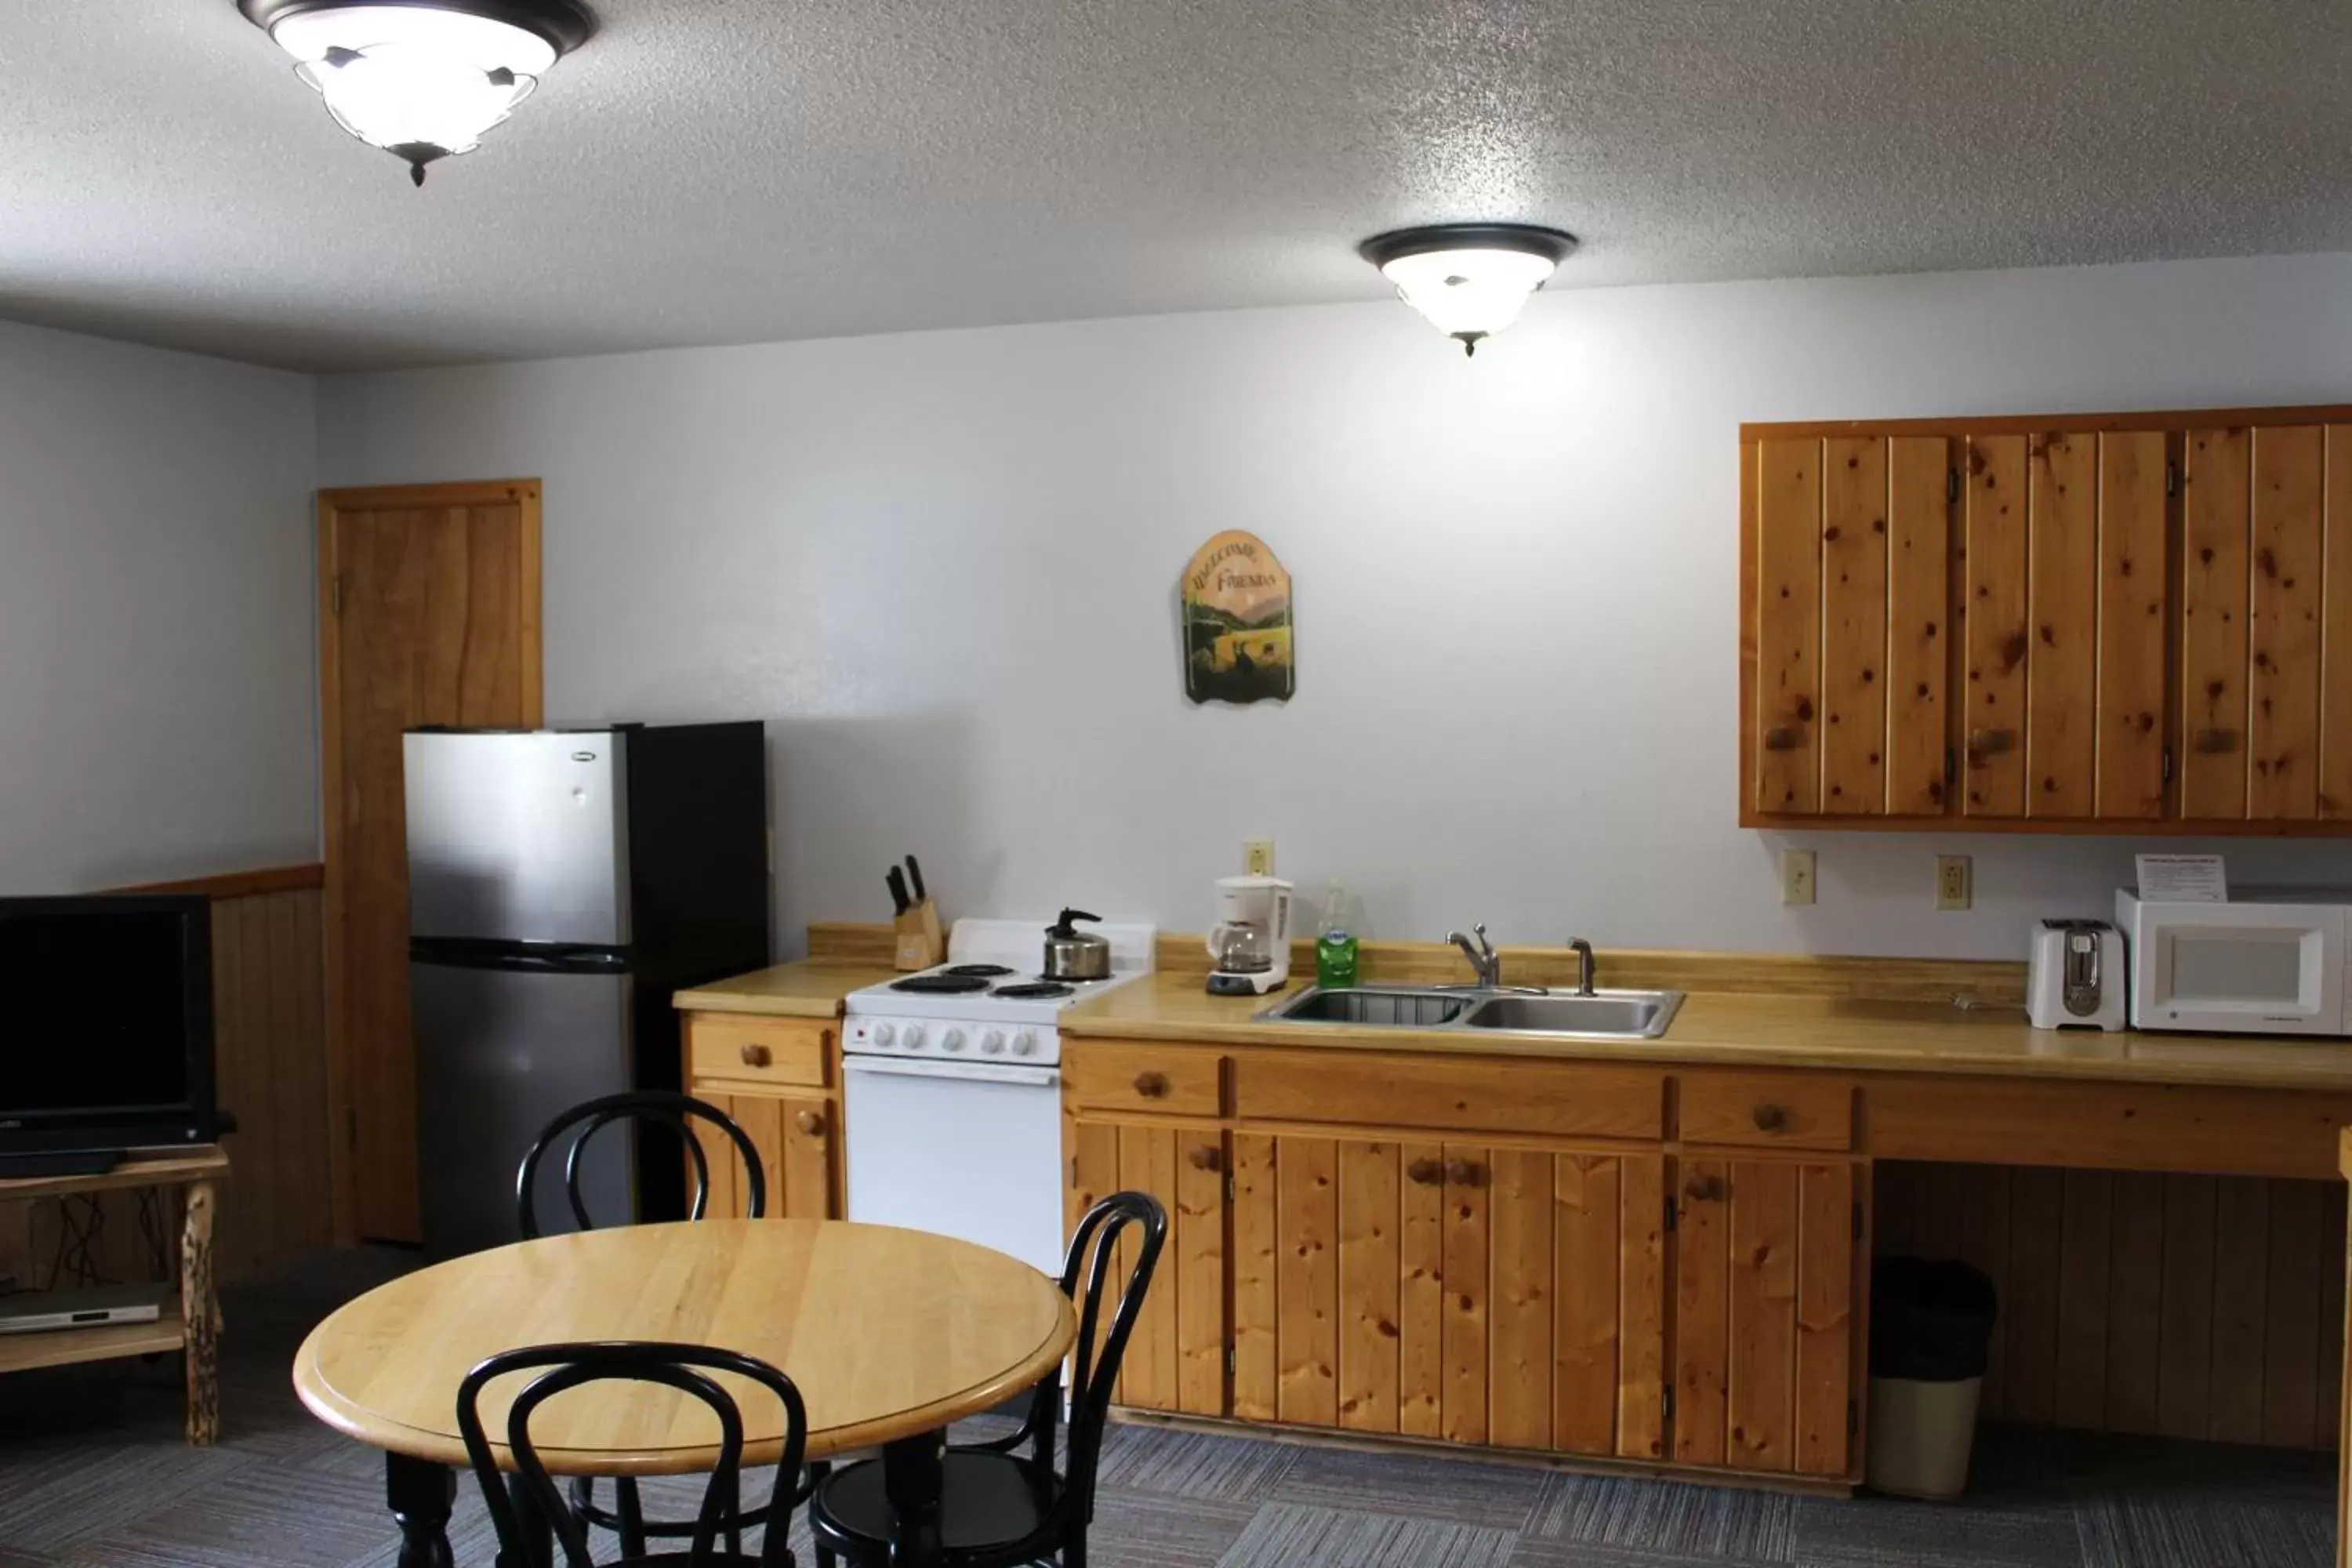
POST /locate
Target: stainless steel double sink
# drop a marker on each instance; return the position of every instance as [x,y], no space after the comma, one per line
[1472,1010]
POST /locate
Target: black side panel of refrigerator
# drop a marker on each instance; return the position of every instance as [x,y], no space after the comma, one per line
[698,850]
[700,901]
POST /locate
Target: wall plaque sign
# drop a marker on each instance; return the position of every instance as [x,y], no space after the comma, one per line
[1235,602]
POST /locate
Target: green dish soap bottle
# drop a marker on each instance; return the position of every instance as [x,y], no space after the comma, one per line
[1335,949]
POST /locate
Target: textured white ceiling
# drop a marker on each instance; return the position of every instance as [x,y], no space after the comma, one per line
[735,171]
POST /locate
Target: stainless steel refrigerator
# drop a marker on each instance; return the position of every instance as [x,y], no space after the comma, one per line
[563,884]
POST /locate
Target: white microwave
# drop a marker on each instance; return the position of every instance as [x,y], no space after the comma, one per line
[2270,962]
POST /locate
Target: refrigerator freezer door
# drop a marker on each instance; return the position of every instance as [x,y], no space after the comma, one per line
[499,1054]
[519,837]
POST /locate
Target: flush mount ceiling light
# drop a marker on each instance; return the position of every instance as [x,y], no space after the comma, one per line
[1468,278]
[422,79]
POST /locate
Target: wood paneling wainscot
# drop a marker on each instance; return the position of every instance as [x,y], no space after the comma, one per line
[2186,1306]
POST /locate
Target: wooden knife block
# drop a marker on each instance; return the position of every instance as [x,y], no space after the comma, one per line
[920,942]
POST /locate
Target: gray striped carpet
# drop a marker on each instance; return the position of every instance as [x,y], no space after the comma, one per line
[92,1472]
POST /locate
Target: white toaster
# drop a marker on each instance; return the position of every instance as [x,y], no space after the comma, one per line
[2075,976]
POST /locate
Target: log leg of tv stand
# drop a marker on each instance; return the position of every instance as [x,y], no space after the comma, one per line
[200,1308]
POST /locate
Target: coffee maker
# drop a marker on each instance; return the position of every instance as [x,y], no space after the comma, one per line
[1250,943]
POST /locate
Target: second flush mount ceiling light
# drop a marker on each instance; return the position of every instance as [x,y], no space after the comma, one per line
[1469,279]
[423,79]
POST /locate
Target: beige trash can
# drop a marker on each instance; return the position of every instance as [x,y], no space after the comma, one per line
[1931,1323]
[1920,1436]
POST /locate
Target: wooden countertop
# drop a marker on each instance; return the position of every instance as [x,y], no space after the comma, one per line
[809,988]
[1855,1034]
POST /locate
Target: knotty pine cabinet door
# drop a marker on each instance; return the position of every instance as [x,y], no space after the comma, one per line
[1968,624]
[1764,1352]
[798,1155]
[2266,635]
[2061,563]
[1512,1297]
[1176,1358]
[1849,624]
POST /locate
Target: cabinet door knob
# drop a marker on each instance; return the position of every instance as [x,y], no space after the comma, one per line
[1783,738]
[754,1056]
[1424,1172]
[1464,1174]
[809,1122]
[1151,1085]
[1207,1158]
[1983,744]
[1708,1190]
[1771,1117]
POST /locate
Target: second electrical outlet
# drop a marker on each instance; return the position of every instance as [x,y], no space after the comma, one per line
[1796,875]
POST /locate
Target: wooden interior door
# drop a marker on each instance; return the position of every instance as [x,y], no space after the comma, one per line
[429,615]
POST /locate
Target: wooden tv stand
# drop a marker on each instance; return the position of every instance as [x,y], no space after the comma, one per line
[190,1322]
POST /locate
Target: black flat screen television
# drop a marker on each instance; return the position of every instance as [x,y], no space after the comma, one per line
[106,1023]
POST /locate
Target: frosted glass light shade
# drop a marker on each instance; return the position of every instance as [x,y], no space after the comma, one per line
[1468,294]
[420,81]
[415,101]
[1471,280]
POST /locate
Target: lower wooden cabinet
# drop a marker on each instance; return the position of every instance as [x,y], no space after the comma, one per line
[1508,1296]
[1176,1358]
[1652,1301]
[776,1078]
[798,1154]
[1765,1310]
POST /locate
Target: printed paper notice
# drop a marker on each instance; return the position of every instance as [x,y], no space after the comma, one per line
[2182,880]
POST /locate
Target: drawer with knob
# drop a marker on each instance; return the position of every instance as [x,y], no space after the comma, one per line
[750,1050]
[1787,1110]
[1099,1074]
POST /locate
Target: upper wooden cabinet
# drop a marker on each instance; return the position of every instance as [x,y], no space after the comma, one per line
[2105,623]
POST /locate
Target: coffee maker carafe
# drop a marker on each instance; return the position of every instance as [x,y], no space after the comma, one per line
[1249,946]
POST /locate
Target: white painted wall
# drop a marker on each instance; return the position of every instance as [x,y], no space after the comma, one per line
[942,566]
[157,650]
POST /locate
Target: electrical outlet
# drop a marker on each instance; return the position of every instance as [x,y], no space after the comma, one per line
[1954,885]
[1796,875]
[1257,857]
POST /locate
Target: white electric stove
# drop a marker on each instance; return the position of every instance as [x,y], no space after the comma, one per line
[952,1082]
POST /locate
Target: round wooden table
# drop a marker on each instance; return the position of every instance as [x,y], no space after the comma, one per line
[889,1335]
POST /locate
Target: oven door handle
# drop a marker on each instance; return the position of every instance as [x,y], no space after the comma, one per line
[974,1072]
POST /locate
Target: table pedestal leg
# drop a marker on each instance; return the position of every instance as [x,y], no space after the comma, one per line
[419,1493]
[200,1312]
[911,1482]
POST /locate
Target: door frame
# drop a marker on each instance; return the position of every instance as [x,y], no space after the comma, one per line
[332,503]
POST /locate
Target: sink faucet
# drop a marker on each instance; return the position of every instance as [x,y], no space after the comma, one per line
[1583,950]
[1482,956]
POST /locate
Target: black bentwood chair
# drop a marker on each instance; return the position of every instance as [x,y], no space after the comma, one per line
[1001,1509]
[677,1112]
[522,1504]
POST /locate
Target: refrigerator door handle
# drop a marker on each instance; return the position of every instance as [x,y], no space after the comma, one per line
[971,1072]
[530,958]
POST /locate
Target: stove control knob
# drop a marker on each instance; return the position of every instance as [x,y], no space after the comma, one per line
[992,1041]
[1024,1043]
[881,1035]
[913,1037]
[953,1040]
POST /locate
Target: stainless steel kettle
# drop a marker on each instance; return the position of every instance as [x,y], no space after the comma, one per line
[1075,955]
